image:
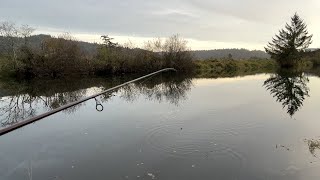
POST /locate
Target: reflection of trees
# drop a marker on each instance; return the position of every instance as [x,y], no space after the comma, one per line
[60,99]
[289,88]
[21,106]
[16,107]
[160,89]
[28,99]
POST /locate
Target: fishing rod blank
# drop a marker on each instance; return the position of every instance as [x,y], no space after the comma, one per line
[41,116]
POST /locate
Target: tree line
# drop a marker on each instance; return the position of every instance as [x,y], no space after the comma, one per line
[64,55]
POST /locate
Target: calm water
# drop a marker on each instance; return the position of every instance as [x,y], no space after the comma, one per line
[262,126]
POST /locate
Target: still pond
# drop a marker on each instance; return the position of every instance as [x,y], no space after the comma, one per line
[166,127]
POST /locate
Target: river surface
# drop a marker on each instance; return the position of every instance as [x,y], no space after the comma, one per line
[166,127]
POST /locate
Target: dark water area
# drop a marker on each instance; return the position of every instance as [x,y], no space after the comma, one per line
[263,126]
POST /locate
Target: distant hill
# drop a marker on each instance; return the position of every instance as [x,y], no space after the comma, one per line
[235,53]
[35,42]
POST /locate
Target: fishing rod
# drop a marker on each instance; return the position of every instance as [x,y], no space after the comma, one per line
[41,116]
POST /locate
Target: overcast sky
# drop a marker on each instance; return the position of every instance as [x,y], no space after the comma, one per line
[206,24]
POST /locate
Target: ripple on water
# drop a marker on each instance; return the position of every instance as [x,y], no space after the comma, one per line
[184,139]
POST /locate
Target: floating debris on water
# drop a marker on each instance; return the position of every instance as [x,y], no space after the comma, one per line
[151,175]
[282,146]
[212,143]
[139,164]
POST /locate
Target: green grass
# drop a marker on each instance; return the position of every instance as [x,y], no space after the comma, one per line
[228,68]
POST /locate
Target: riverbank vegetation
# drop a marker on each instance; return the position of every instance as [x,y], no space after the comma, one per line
[63,56]
[213,68]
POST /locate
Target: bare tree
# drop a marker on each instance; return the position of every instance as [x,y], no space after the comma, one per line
[155,45]
[66,36]
[25,31]
[10,32]
[173,52]
[16,108]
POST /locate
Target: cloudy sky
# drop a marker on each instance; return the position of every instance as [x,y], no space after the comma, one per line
[206,24]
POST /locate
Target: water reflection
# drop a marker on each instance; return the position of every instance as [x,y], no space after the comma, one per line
[26,99]
[171,90]
[15,108]
[289,87]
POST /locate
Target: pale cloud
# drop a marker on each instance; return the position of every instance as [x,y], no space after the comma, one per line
[174,12]
[207,24]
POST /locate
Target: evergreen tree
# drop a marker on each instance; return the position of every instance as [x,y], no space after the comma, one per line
[107,42]
[291,41]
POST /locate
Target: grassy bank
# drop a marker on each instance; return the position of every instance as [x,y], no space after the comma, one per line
[228,68]
[213,68]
